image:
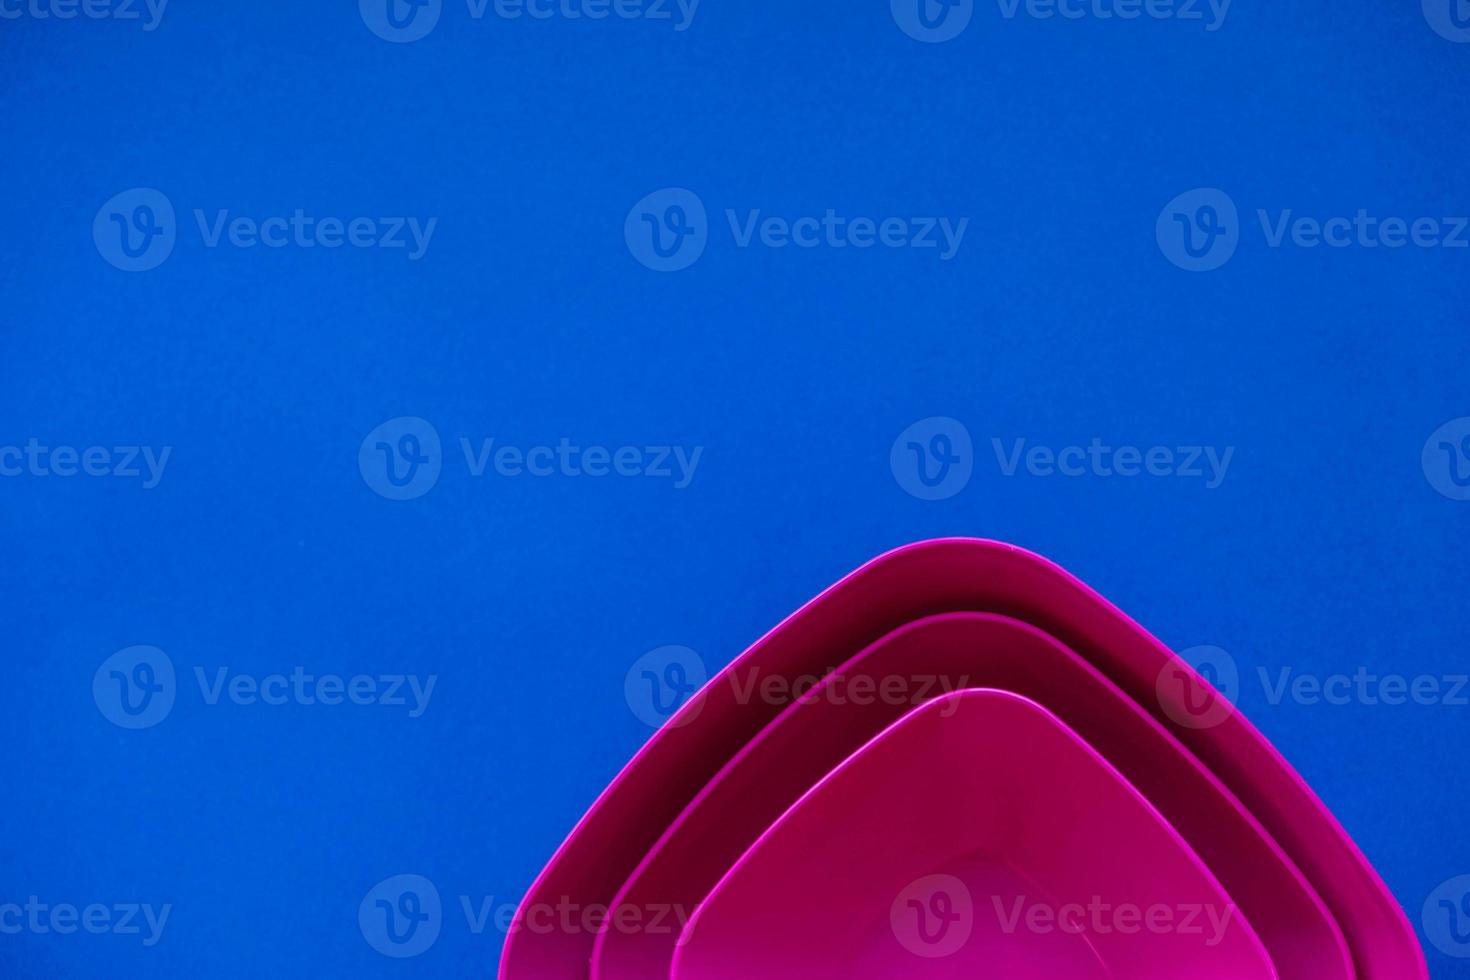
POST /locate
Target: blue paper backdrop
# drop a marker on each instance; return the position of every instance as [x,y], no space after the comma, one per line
[532,311]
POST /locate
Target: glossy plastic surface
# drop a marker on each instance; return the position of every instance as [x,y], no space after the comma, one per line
[923,660]
[919,580]
[977,836]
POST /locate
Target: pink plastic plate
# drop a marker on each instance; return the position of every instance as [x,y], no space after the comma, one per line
[977,836]
[923,660]
[925,579]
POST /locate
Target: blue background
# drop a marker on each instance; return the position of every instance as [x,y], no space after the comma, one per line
[528,320]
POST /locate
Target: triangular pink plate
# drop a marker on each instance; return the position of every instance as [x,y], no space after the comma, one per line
[977,836]
[927,579]
[925,659]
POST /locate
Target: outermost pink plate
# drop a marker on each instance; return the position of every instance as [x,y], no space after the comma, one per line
[976,836]
[925,579]
[922,660]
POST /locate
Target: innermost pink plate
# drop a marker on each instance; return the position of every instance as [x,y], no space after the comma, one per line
[977,836]
[921,661]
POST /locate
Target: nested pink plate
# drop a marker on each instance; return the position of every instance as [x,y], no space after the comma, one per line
[977,836]
[919,580]
[923,660]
